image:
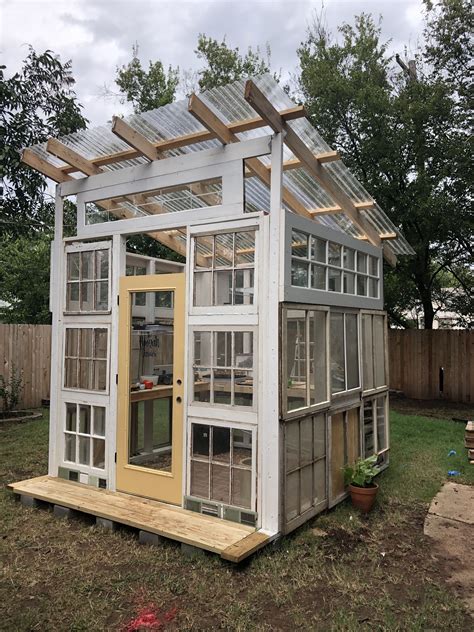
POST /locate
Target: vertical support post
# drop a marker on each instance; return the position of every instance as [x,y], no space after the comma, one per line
[56,304]
[118,270]
[269,344]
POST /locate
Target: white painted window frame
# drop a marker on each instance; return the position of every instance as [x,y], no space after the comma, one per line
[85,469]
[88,247]
[82,325]
[352,391]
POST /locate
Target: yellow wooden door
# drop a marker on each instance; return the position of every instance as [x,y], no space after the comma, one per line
[150,420]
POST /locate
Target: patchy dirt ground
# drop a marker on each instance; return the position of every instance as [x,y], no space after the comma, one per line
[437,408]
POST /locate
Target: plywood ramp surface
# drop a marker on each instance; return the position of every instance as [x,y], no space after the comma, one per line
[231,540]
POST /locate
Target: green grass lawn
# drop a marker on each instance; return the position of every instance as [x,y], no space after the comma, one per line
[376,572]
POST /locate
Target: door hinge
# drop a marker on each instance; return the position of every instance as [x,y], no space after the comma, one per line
[115,458]
[118,299]
[116,378]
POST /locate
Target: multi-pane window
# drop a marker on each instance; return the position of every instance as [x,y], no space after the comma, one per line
[373,351]
[86,358]
[87,283]
[325,265]
[224,269]
[221,465]
[344,340]
[305,465]
[223,368]
[375,425]
[305,369]
[84,435]
[139,298]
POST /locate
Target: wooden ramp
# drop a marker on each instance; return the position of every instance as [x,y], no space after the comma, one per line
[232,541]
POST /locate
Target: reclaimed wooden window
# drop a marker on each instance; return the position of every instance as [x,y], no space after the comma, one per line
[325,265]
[85,365]
[305,465]
[88,279]
[223,368]
[224,269]
[221,464]
[375,425]
[84,435]
[345,447]
[344,347]
[373,351]
[305,375]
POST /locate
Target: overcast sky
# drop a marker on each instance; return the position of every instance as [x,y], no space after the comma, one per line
[98,35]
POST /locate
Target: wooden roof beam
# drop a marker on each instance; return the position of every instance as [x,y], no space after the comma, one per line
[134,138]
[204,114]
[325,210]
[67,154]
[34,161]
[262,106]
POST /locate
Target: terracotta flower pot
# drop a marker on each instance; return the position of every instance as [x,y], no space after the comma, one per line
[363,498]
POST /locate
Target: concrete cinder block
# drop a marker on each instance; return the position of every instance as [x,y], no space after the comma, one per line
[191,551]
[152,539]
[62,512]
[28,501]
[104,523]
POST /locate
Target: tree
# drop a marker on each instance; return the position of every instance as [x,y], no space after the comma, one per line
[225,65]
[146,90]
[404,139]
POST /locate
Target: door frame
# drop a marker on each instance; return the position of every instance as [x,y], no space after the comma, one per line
[134,479]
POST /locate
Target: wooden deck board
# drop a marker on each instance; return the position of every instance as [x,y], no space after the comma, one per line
[206,532]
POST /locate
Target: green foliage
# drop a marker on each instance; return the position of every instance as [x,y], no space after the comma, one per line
[225,65]
[37,102]
[146,90]
[362,472]
[10,389]
[405,139]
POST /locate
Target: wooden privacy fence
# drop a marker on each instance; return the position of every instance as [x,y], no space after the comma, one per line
[28,348]
[432,364]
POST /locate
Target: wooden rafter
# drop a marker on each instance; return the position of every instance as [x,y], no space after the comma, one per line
[208,118]
[382,236]
[237,127]
[65,153]
[134,138]
[327,210]
[265,109]
[43,166]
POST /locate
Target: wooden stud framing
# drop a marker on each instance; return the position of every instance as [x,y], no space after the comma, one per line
[134,138]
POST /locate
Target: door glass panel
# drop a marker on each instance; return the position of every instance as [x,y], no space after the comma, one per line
[151,380]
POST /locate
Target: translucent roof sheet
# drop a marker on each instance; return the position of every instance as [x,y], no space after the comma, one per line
[173,120]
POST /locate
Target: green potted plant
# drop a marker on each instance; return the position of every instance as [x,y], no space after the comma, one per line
[360,478]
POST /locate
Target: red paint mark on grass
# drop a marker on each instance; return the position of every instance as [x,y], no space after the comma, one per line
[150,618]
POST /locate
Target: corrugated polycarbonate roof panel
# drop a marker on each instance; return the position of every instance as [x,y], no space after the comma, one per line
[173,120]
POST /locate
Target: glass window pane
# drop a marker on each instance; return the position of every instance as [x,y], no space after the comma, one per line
[202,288]
[349,258]
[139,299]
[85,419]
[367,352]
[224,250]
[243,388]
[100,375]
[373,266]
[70,447]
[245,248]
[334,280]
[221,444]
[362,262]
[361,285]
[84,450]
[319,485]
[318,277]
[99,421]
[223,348]
[373,288]
[352,351]
[299,244]
[319,436]
[85,374]
[200,479]
[102,296]
[220,483]
[292,495]
[292,445]
[241,487]
[334,254]
[243,349]
[379,351]
[98,453]
[70,374]
[381,424]
[72,297]
[203,252]
[242,448]
[243,287]
[87,261]
[202,348]
[296,359]
[223,287]
[72,342]
[222,386]
[306,480]
[338,382]
[102,264]
[100,350]
[200,438]
[73,263]
[318,249]
[299,273]
[369,446]
[71,417]
[306,440]
[349,283]
[202,384]
[318,364]
[85,346]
